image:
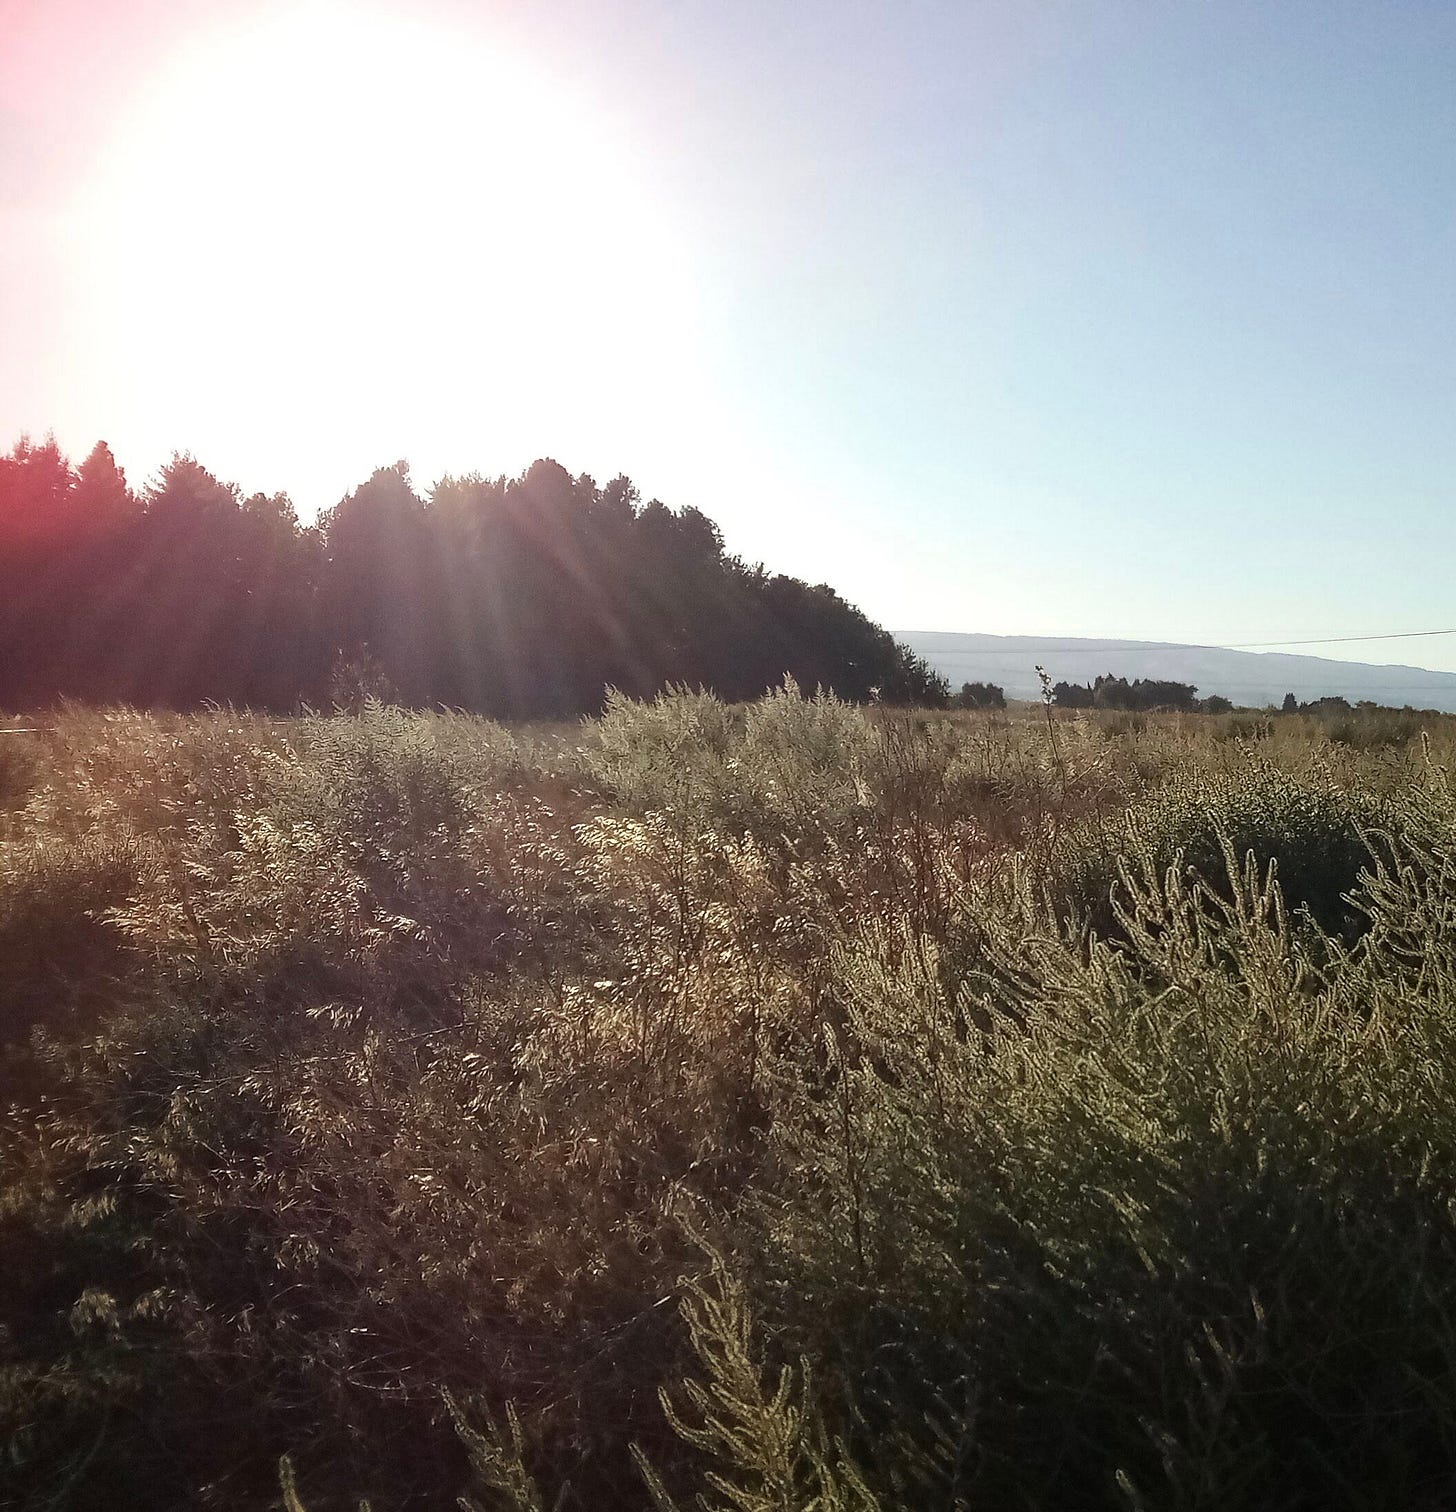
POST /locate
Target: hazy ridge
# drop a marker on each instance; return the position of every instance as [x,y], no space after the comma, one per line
[1253,678]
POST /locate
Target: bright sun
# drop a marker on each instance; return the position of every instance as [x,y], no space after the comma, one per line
[356,229]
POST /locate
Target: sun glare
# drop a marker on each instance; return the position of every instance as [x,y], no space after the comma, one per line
[360,229]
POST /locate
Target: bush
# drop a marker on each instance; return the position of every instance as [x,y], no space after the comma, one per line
[1170,1243]
[1313,832]
[360,848]
[669,752]
[20,767]
[1372,729]
[980,695]
[61,953]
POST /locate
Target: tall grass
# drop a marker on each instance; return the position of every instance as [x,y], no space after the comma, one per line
[790,1106]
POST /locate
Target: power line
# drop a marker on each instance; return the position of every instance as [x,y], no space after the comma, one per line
[1331,640]
[1123,646]
[1294,685]
[1297,686]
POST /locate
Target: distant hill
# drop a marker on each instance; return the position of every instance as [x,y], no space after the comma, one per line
[1251,678]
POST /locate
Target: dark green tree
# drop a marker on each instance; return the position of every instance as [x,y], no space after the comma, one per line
[980,695]
[100,496]
[520,597]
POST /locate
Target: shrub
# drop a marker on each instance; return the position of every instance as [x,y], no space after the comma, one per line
[1313,832]
[61,954]
[1171,1243]
[1244,727]
[20,768]
[362,845]
[384,776]
[669,752]
[1373,729]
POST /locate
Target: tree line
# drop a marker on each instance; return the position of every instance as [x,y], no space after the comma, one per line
[516,597]
[980,695]
[1141,695]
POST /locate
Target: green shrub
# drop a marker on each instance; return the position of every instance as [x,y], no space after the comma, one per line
[20,768]
[61,953]
[669,752]
[1244,727]
[1173,1242]
[1373,729]
[1313,832]
[360,844]
[384,775]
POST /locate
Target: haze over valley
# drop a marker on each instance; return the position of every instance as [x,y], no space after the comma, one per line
[1249,678]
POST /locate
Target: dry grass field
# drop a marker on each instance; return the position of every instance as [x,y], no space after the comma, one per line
[790,1106]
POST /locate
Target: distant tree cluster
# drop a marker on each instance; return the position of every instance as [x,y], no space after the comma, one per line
[1334,704]
[517,597]
[1330,704]
[1142,695]
[980,695]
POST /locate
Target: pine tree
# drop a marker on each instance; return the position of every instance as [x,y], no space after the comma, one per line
[101,496]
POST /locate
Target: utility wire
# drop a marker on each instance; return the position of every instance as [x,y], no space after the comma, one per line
[1105,650]
[1331,640]
[1296,685]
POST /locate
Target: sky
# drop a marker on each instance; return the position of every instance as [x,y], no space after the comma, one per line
[1077,319]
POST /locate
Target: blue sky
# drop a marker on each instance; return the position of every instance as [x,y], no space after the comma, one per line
[1077,319]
